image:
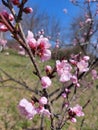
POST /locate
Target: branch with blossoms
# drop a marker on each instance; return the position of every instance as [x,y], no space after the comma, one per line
[68,73]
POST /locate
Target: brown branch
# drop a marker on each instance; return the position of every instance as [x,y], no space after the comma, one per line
[5,22]
[29,52]
[19,82]
[19,17]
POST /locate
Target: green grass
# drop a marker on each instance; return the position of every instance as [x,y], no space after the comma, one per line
[20,67]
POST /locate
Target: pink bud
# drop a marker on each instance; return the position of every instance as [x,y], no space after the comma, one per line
[74,79]
[48,69]
[43,100]
[64,95]
[65,11]
[73,120]
[28,10]
[11,18]
[88,20]
[16,2]
[3,28]
[94,74]
[86,58]
[46,82]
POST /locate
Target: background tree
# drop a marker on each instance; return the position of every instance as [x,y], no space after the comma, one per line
[85,26]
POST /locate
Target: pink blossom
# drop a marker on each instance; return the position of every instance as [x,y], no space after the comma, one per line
[43,100]
[46,82]
[30,35]
[31,40]
[46,112]
[88,20]
[43,43]
[62,66]
[42,110]
[86,58]
[27,109]
[94,74]
[82,66]
[64,95]
[75,111]
[39,47]
[63,70]
[46,55]
[74,79]
[65,76]
[78,110]
[3,42]
[43,46]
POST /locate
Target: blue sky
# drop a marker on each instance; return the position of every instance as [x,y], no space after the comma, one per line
[55,8]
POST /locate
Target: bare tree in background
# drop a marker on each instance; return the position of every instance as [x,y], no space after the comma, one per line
[85,27]
[38,21]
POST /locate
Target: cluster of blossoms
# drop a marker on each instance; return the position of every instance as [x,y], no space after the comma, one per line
[65,68]
[40,46]
[29,109]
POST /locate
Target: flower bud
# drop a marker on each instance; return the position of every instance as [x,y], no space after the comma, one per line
[43,100]
[28,10]
[5,14]
[3,28]
[86,58]
[48,69]
[16,2]
[11,18]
